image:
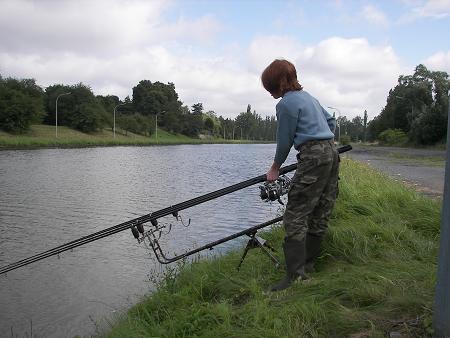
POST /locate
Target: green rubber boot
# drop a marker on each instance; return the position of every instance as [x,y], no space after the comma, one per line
[294,253]
[312,251]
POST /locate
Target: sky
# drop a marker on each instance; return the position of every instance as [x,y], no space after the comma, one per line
[348,54]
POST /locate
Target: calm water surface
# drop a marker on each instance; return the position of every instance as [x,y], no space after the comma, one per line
[52,196]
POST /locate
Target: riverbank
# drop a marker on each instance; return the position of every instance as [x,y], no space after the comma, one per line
[43,136]
[376,276]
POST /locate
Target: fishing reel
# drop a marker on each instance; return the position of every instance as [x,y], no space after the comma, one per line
[272,191]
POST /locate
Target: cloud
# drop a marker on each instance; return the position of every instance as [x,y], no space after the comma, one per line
[439,62]
[375,16]
[263,50]
[436,9]
[350,74]
[136,41]
[95,27]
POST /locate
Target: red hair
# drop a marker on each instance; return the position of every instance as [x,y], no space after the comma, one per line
[280,77]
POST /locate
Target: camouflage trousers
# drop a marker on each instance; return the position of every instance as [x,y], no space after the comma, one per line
[313,190]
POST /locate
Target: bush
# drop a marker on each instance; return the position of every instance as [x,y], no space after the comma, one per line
[20,104]
[344,140]
[393,137]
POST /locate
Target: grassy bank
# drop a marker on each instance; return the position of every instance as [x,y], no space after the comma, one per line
[41,136]
[376,276]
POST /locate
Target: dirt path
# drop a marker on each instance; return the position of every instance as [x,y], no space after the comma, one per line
[420,168]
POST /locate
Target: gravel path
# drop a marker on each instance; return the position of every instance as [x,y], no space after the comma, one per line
[419,168]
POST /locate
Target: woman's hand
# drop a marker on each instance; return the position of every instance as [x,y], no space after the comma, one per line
[273,172]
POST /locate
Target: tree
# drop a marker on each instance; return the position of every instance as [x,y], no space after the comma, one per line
[150,99]
[108,102]
[193,124]
[209,124]
[87,117]
[80,110]
[21,104]
[197,108]
[153,98]
[418,106]
[365,126]
[356,129]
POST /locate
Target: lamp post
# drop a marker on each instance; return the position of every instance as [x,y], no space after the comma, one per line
[56,116]
[114,118]
[441,323]
[339,124]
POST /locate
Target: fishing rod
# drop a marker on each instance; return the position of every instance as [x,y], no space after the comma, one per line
[137,225]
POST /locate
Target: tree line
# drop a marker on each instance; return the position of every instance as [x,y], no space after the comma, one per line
[415,112]
[23,103]
[416,109]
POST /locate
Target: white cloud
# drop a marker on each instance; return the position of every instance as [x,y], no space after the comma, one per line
[94,27]
[263,50]
[439,62]
[97,27]
[375,16]
[436,9]
[135,41]
[350,74]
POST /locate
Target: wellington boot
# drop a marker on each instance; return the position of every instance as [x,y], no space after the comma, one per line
[312,251]
[294,253]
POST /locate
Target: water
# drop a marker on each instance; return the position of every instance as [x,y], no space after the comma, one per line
[52,196]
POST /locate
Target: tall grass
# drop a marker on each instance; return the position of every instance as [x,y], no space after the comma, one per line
[376,275]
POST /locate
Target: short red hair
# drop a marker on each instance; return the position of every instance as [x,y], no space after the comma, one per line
[280,77]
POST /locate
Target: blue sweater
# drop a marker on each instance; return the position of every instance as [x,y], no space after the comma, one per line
[301,118]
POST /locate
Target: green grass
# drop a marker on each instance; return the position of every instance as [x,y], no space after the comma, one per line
[41,136]
[376,275]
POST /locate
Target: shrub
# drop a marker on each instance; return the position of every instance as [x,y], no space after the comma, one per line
[345,139]
[393,137]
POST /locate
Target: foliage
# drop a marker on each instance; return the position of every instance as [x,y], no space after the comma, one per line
[354,129]
[136,123]
[154,98]
[345,139]
[393,137]
[418,105]
[209,124]
[192,124]
[21,104]
[80,109]
[251,126]
[197,109]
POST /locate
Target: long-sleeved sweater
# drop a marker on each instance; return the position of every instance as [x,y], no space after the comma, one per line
[301,118]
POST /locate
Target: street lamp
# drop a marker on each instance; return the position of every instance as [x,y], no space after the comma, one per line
[339,124]
[56,117]
[114,118]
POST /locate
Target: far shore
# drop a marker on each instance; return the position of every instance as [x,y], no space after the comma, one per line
[43,136]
